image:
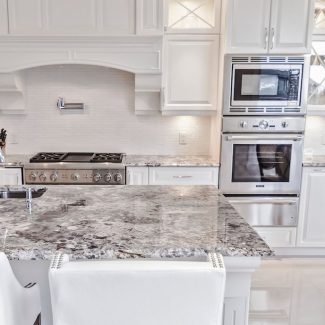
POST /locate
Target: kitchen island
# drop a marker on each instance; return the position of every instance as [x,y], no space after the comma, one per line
[156,222]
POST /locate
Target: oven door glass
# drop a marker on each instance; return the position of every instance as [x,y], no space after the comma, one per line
[261,162]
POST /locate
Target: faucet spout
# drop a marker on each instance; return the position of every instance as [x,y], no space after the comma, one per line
[2,156]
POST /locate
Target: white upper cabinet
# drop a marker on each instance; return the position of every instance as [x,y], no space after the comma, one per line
[269,26]
[190,73]
[247,26]
[291,26]
[149,17]
[192,16]
[3,17]
[312,206]
[71,17]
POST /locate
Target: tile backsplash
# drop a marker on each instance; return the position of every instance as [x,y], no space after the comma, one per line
[108,122]
[315,135]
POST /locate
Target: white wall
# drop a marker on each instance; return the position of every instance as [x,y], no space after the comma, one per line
[315,135]
[108,122]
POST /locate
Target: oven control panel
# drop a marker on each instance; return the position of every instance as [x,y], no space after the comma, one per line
[263,124]
[73,176]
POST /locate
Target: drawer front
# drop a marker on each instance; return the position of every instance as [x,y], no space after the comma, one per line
[278,236]
[183,176]
[10,176]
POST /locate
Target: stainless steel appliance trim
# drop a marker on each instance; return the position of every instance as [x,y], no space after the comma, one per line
[267,211]
[273,137]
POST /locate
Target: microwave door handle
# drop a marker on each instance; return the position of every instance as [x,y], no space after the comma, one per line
[297,137]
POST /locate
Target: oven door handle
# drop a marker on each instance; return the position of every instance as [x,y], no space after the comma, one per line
[265,201]
[297,137]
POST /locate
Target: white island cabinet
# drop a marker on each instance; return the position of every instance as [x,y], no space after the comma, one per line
[269,26]
[10,176]
[172,175]
[311,229]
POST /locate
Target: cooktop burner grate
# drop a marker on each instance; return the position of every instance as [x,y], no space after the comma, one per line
[48,157]
[78,157]
[107,157]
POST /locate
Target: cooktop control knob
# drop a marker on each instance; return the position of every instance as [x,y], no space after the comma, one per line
[118,177]
[263,124]
[97,177]
[32,177]
[54,177]
[75,177]
[42,177]
[108,177]
[285,124]
[243,124]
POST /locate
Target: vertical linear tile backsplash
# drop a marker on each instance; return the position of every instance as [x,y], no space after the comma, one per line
[108,122]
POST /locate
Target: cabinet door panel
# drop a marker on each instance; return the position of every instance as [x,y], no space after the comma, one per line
[247,26]
[26,17]
[71,16]
[291,26]
[10,176]
[3,17]
[191,73]
[137,176]
[118,17]
[149,18]
[312,207]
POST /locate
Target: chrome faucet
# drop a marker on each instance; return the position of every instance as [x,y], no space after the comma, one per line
[2,156]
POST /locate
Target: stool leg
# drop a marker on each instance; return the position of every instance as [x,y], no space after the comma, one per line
[38,320]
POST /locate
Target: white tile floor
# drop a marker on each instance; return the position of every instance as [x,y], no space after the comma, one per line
[289,291]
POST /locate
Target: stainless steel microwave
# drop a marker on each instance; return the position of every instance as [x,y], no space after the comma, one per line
[272,85]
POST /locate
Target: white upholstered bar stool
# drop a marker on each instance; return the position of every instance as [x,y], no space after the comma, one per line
[137,292]
[18,305]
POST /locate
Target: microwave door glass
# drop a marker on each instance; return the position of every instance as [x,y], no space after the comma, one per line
[261,162]
[261,85]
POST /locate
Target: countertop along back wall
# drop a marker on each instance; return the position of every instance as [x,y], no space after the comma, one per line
[108,122]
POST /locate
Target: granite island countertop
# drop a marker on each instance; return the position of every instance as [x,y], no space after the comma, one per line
[127,222]
[170,161]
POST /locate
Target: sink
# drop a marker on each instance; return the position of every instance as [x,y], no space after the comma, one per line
[19,192]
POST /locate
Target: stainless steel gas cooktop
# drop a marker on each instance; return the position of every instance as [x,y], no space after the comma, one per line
[76,168]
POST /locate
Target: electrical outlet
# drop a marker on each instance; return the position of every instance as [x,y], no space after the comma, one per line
[182,138]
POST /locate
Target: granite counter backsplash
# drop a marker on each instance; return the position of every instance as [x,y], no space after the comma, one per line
[314,161]
[170,161]
[90,222]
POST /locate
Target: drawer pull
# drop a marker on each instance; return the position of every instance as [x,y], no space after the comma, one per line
[182,176]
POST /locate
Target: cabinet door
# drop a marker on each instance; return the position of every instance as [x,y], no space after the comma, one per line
[291,26]
[10,176]
[193,16]
[191,72]
[149,18]
[71,17]
[183,176]
[247,26]
[312,206]
[278,236]
[137,176]
[3,17]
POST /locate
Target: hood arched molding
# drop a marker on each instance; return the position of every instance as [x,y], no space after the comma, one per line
[138,55]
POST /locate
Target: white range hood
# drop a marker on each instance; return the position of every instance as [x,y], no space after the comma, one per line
[138,55]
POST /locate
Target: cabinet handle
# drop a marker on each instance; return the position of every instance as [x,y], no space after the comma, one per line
[182,176]
[273,36]
[266,37]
